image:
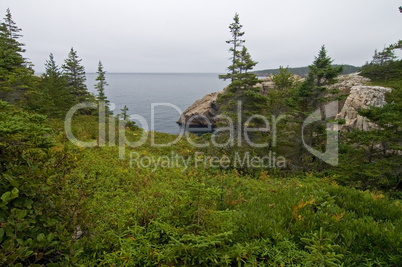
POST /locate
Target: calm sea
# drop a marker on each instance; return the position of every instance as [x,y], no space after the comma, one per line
[139,91]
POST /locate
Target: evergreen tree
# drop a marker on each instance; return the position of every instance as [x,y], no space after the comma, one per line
[243,86]
[376,58]
[284,84]
[313,92]
[75,75]
[284,79]
[11,26]
[312,95]
[322,73]
[54,86]
[126,118]
[15,71]
[124,114]
[237,42]
[384,56]
[242,102]
[286,136]
[101,85]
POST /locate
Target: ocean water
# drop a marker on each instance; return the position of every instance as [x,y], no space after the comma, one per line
[140,90]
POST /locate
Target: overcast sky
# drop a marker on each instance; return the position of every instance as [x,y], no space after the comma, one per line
[190,35]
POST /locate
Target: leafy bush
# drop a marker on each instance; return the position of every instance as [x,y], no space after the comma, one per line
[34,213]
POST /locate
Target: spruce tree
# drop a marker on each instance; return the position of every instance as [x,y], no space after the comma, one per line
[322,73]
[54,86]
[15,71]
[124,114]
[101,85]
[126,118]
[242,88]
[241,100]
[12,28]
[74,73]
[314,92]
[284,85]
[236,41]
[312,95]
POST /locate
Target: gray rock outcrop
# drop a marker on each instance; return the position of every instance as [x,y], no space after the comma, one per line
[204,109]
[361,97]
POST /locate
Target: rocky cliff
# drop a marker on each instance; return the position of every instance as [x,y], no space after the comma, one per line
[360,96]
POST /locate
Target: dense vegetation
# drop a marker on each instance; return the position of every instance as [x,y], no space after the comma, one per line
[67,205]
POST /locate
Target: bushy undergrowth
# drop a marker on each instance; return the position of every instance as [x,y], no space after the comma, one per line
[38,201]
[98,210]
[137,216]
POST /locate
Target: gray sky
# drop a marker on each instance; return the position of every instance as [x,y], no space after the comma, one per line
[190,35]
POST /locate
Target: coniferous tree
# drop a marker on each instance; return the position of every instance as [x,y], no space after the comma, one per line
[75,76]
[242,88]
[235,30]
[376,58]
[126,118]
[15,71]
[282,141]
[384,56]
[12,28]
[124,114]
[101,85]
[314,90]
[284,86]
[312,95]
[54,86]
[242,101]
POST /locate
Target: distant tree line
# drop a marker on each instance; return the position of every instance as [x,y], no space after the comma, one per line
[303,71]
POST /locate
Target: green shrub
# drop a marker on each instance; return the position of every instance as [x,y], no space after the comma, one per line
[34,213]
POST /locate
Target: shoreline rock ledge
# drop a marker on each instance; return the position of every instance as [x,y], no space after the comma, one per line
[201,111]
